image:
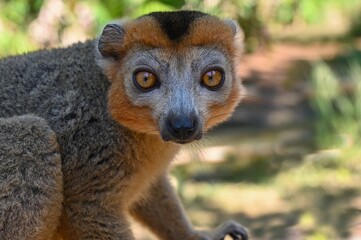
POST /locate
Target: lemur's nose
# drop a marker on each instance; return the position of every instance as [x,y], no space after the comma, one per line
[183,127]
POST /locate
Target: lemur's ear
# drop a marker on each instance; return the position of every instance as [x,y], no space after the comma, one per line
[238,38]
[237,30]
[110,40]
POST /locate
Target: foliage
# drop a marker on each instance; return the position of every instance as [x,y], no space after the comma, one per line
[338,111]
[257,17]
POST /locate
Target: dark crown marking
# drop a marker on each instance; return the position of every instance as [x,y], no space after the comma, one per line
[176,24]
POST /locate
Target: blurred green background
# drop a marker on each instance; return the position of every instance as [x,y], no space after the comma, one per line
[287,165]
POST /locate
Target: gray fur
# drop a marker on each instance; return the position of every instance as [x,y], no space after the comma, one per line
[30,179]
[67,89]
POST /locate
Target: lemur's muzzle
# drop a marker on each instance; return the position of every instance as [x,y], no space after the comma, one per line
[182,128]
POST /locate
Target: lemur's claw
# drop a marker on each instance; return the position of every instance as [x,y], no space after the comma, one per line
[237,235]
[231,228]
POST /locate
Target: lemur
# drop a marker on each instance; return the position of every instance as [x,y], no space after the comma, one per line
[88,132]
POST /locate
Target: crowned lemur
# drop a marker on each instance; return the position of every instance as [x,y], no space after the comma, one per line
[87,132]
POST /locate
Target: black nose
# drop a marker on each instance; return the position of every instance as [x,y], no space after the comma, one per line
[182,128]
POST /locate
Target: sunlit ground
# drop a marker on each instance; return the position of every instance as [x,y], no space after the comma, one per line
[275,194]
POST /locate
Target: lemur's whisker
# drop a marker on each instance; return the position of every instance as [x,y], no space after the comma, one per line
[220,115]
[208,113]
[198,148]
[151,131]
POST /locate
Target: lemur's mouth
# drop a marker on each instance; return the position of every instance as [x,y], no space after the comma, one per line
[181,128]
[182,142]
[187,141]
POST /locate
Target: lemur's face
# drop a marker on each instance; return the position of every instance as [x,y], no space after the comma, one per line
[172,74]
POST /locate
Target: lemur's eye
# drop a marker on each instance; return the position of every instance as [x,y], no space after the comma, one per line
[213,79]
[145,80]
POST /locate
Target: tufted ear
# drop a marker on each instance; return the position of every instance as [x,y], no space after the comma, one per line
[110,40]
[238,39]
[234,26]
[237,30]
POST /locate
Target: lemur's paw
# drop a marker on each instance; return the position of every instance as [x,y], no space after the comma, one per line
[230,228]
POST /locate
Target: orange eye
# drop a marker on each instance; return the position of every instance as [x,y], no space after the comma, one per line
[145,80]
[213,79]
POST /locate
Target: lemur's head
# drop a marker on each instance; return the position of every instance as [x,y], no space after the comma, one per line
[172,73]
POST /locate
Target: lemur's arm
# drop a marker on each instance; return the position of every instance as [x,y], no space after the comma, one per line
[163,213]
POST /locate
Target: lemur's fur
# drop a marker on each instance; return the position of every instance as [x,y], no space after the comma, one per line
[81,147]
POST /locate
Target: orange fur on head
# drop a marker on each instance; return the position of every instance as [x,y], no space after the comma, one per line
[221,112]
[210,31]
[143,32]
[123,111]
[205,31]
[146,32]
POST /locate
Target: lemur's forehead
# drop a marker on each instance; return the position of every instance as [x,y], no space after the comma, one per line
[178,30]
[176,25]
